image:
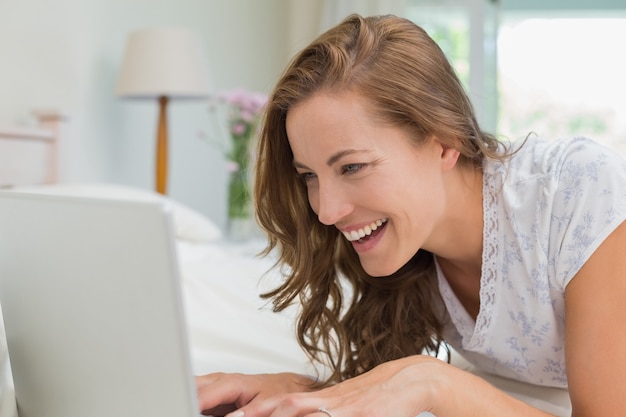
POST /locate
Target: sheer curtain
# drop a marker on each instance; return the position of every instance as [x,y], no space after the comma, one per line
[333,11]
[466,30]
[307,19]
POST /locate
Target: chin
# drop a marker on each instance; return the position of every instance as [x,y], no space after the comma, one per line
[381,267]
[379,271]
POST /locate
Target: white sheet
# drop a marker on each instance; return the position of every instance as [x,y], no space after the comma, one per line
[230,327]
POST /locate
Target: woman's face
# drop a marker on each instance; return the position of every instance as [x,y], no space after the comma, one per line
[366,177]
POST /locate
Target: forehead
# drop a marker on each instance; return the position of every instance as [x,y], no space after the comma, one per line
[326,127]
[347,103]
[340,116]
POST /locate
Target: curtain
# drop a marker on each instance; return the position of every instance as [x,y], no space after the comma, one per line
[307,19]
[333,11]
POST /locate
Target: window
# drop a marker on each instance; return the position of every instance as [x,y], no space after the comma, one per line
[554,67]
[448,27]
[562,76]
[466,32]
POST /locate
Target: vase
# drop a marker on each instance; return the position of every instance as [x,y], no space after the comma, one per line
[240,219]
[241,229]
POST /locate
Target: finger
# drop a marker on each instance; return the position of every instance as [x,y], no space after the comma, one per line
[219,393]
[296,404]
[324,412]
[318,413]
[256,408]
[220,410]
[203,380]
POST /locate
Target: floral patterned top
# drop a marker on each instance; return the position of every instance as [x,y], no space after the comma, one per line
[545,212]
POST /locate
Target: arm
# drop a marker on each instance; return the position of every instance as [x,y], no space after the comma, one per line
[596,331]
[404,387]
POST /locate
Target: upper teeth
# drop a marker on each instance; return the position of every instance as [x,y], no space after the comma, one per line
[365,231]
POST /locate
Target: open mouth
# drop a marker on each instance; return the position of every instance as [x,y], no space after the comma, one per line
[366,233]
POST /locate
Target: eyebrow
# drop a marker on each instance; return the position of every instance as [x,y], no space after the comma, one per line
[334,158]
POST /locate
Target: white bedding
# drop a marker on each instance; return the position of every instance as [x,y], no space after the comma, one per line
[230,328]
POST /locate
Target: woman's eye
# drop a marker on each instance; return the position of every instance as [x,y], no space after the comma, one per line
[351,168]
[307,176]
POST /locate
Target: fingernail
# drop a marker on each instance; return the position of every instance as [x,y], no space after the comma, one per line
[238,413]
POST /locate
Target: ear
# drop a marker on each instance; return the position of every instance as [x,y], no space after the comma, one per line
[449,157]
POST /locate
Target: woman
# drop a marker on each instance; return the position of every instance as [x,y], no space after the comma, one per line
[400,224]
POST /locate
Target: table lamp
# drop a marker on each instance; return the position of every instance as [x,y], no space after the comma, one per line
[163,64]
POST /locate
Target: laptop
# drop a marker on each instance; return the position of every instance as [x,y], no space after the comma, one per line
[92,308]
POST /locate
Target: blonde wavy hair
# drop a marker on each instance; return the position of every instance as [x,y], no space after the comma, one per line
[350,321]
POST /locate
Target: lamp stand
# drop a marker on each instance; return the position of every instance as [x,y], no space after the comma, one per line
[161,150]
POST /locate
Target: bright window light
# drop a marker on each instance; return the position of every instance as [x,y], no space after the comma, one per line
[563,76]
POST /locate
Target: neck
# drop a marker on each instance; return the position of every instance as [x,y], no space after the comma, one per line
[459,237]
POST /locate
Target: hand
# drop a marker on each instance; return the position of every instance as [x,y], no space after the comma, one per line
[405,387]
[402,388]
[220,393]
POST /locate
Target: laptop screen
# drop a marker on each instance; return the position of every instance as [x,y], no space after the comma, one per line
[92,308]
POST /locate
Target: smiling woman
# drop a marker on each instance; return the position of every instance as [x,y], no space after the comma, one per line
[401,227]
[337,144]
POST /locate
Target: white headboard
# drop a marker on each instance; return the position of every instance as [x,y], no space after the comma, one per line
[30,155]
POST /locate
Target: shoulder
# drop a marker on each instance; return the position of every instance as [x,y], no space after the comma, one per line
[562,168]
[569,193]
[577,156]
[582,157]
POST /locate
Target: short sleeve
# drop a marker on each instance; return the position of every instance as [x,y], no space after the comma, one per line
[588,203]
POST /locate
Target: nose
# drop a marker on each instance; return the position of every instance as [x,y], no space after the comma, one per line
[333,204]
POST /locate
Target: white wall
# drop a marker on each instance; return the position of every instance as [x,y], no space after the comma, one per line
[66,53]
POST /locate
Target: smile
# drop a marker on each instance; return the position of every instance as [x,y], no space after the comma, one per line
[355,235]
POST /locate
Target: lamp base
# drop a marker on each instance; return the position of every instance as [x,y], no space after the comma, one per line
[161,148]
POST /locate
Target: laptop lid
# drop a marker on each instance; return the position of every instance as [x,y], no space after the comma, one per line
[92,308]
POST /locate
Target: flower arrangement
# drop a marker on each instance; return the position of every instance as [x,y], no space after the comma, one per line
[243,113]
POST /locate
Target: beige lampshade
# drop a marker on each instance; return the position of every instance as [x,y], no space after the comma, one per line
[163,62]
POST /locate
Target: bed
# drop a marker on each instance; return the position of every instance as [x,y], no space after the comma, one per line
[229,327]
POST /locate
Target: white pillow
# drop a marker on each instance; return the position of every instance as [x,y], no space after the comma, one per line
[189,224]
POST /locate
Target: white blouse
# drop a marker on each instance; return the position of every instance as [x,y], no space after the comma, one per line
[546,210]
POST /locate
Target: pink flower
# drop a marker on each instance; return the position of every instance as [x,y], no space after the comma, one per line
[247,115]
[232,166]
[243,112]
[246,104]
[238,128]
